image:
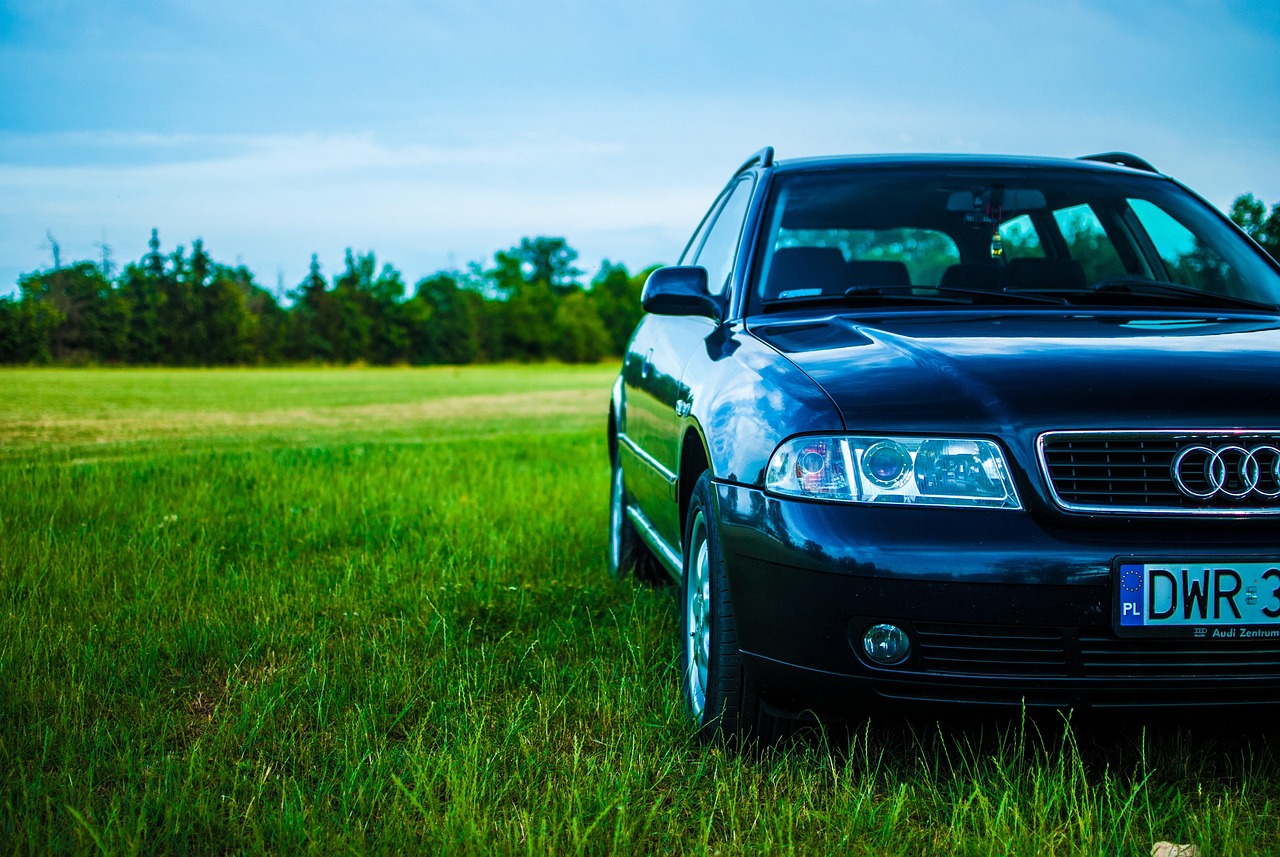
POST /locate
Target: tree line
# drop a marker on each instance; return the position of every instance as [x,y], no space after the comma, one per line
[186,309]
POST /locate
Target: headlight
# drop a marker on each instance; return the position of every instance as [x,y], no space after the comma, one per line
[929,470]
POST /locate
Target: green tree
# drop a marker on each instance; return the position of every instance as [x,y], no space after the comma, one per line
[93,319]
[183,325]
[185,309]
[376,314]
[524,285]
[139,287]
[175,309]
[26,330]
[548,260]
[352,322]
[578,334]
[229,326]
[110,333]
[616,296]
[526,322]
[271,327]
[450,332]
[313,318]
[1250,214]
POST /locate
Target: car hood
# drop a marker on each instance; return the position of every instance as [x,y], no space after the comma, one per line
[1033,372]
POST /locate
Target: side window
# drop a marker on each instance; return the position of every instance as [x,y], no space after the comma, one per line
[1020,239]
[1088,244]
[686,258]
[721,247]
[1185,258]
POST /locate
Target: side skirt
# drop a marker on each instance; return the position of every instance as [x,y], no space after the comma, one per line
[669,557]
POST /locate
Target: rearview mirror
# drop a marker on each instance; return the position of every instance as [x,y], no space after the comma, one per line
[1006,199]
[679,290]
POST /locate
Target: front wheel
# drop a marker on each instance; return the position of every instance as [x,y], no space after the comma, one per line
[717,693]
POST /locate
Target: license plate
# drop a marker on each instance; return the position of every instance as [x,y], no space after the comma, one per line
[1214,600]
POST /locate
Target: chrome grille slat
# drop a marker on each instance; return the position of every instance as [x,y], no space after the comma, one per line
[1133,472]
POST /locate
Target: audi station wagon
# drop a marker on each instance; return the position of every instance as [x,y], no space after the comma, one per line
[956,429]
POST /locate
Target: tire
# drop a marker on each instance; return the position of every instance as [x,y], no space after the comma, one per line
[628,554]
[718,695]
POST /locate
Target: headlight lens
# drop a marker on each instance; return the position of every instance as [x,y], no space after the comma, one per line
[929,470]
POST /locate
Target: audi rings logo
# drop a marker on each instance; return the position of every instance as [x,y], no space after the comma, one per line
[1232,472]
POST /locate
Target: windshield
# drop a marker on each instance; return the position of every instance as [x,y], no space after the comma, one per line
[1022,236]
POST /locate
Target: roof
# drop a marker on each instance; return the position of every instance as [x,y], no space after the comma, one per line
[962,161]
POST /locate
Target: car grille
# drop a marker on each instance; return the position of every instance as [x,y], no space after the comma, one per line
[991,650]
[1134,472]
[1000,651]
[1105,657]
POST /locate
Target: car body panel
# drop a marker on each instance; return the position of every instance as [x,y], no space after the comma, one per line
[754,398]
[994,371]
[1013,376]
[808,577]
[651,442]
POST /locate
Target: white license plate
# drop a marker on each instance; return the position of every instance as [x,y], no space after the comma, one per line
[1207,600]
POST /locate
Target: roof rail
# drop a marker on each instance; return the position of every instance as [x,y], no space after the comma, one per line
[1122,159]
[762,158]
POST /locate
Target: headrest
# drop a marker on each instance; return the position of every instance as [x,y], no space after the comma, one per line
[982,278]
[865,272]
[1035,273]
[812,270]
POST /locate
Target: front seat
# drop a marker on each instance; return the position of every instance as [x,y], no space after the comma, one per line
[797,272]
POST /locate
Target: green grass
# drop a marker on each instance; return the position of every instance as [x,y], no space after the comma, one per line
[367,611]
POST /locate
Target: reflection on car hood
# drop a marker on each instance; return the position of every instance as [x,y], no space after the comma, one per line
[990,373]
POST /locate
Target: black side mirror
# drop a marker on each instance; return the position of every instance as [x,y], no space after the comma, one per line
[680,290]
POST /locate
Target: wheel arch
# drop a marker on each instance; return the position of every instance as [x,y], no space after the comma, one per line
[615,407]
[694,459]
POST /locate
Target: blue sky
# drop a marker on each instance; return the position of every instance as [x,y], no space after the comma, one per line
[434,133]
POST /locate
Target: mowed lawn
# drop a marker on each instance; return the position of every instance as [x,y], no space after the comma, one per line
[350,611]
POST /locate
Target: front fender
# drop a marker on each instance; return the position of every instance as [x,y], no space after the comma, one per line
[746,398]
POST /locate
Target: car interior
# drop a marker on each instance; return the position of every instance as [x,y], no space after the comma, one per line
[982,239]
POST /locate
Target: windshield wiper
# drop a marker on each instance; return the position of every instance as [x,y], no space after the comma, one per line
[1138,287]
[914,294]
[1142,286]
[984,296]
[859,294]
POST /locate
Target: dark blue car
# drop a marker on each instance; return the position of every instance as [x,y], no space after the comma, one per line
[955,429]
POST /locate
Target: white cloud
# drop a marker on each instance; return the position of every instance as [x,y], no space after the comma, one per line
[271,201]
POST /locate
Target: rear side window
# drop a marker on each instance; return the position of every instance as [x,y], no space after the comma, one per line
[1088,244]
[1020,239]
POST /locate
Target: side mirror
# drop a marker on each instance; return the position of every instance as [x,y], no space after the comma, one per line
[680,290]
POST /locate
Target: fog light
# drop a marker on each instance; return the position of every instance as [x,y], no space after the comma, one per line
[886,644]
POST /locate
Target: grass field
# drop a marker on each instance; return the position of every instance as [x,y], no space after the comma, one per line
[350,611]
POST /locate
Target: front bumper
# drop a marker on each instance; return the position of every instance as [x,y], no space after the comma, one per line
[1001,608]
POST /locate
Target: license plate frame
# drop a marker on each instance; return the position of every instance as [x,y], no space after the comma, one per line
[1158,597]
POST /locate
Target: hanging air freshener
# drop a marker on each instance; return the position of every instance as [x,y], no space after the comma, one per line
[997,244]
